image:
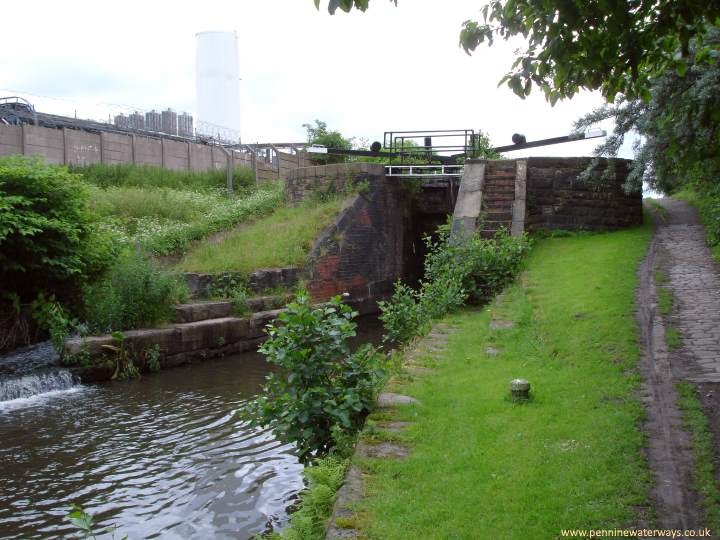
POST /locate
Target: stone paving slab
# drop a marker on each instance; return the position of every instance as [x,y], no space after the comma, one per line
[694,282]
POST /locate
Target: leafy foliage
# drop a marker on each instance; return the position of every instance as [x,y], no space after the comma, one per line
[320,135]
[617,47]
[324,477]
[87,525]
[678,125]
[468,270]
[346,5]
[483,148]
[134,294]
[322,387]
[48,243]
[51,316]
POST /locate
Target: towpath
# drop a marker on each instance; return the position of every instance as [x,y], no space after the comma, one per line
[679,261]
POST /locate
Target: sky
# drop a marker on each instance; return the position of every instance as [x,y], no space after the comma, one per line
[389,69]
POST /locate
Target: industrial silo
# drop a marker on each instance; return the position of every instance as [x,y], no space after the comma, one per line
[217,81]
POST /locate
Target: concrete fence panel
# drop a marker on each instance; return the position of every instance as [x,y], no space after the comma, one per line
[81,147]
[47,143]
[10,140]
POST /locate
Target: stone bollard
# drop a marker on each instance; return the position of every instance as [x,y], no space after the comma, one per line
[520,390]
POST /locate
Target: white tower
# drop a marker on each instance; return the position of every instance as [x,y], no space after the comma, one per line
[217,80]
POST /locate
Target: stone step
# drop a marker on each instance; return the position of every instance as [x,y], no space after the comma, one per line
[506,183]
[504,214]
[201,311]
[491,197]
[495,225]
[489,233]
[499,191]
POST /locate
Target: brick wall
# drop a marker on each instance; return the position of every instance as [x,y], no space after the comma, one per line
[558,199]
[362,252]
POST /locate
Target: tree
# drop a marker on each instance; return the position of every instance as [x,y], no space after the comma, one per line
[617,46]
[679,126]
[320,135]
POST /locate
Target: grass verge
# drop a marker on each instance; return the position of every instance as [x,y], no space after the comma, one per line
[697,425]
[483,467]
[662,212]
[673,338]
[705,196]
[145,176]
[281,239]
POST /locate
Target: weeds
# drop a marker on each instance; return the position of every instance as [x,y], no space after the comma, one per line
[702,442]
[673,338]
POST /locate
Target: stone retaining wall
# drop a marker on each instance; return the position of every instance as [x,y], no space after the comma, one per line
[558,199]
[201,285]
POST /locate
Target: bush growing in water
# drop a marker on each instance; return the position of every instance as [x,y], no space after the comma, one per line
[323,390]
[471,269]
[135,293]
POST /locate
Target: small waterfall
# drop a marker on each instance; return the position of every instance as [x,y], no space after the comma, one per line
[36,383]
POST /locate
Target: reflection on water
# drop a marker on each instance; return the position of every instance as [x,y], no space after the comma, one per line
[160,457]
[163,456]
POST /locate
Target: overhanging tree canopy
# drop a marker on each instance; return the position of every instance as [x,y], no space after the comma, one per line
[616,46]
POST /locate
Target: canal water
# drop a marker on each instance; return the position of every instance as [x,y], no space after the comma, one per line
[160,457]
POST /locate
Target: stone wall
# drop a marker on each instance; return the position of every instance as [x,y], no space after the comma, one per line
[558,199]
[301,182]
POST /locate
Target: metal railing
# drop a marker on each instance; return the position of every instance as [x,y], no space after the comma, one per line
[423,171]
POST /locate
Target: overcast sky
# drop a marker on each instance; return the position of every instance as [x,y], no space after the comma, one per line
[389,69]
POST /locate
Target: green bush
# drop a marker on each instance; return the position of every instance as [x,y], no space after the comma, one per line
[134,294]
[322,389]
[402,316]
[48,243]
[144,176]
[319,134]
[468,270]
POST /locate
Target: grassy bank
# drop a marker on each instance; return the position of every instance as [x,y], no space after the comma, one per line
[482,467]
[143,176]
[281,239]
[706,198]
[164,211]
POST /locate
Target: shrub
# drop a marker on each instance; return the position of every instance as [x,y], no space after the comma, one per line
[47,239]
[134,294]
[470,269]
[402,317]
[319,134]
[322,389]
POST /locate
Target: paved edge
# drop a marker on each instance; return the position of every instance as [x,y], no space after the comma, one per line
[669,450]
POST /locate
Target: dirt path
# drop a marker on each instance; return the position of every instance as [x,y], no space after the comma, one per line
[678,251]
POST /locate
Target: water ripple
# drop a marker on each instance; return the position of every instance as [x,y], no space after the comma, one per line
[163,457]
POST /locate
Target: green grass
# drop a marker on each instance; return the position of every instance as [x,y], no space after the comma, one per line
[702,443]
[660,209]
[661,277]
[166,221]
[127,175]
[705,196]
[281,239]
[673,338]
[164,211]
[665,301]
[483,467]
